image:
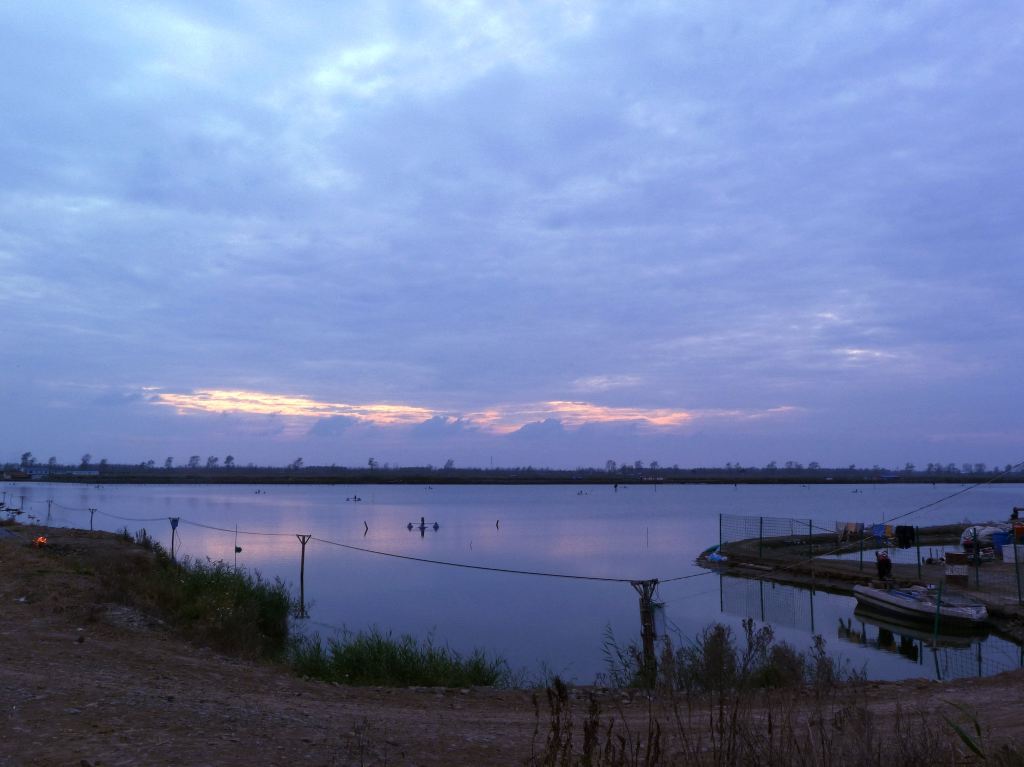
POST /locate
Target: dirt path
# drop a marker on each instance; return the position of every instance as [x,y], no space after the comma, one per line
[82,682]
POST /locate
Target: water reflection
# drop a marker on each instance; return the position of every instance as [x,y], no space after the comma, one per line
[878,645]
[534,622]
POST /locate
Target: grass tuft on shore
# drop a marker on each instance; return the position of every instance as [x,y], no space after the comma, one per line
[231,609]
[376,658]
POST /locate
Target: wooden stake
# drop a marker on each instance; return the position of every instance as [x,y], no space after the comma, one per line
[174,527]
[647,633]
[303,539]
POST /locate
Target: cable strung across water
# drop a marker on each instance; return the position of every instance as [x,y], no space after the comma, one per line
[477,567]
[231,530]
[131,519]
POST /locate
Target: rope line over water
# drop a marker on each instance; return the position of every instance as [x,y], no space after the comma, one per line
[392,555]
[536,573]
[507,570]
[232,530]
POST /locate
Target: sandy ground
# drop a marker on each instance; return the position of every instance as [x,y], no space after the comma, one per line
[83,682]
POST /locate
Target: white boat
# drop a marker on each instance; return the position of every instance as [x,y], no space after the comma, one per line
[922,604]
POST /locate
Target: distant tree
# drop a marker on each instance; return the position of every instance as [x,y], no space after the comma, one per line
[296,464]
[814,466]
[229,462]
[638,465]
[610,466]
[449,464]
[967,468]
[952,469]
[372,463]
[103,463]
[27,459]
[52,462]
[654,465]
[193,462]
[909,468]
[169,463]
[979,468]
[212,461]
[150,464]
[1008,468]
[772,466]
[86,460]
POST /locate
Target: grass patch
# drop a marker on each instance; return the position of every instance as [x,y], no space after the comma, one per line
[233,610]
[375,658]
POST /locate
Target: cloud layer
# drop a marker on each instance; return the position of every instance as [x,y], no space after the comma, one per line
[608,217]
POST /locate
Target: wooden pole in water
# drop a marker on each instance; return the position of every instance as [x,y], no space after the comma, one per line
[303,539]
[174,527]
[647,633]
[91,512]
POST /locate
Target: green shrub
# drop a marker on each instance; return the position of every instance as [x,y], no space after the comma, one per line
[214,603]
[375,658]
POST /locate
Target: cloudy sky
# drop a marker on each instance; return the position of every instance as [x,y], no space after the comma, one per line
[547,233]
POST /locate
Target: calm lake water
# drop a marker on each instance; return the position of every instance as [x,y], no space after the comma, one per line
[539,624]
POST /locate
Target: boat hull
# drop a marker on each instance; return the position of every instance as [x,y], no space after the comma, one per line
[921,606]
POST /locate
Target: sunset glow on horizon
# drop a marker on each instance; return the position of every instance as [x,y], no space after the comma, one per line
[502,419]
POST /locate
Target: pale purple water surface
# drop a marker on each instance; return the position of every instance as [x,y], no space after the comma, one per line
[539,624]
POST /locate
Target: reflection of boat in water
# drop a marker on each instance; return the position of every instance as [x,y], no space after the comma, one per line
[922,605]
[917,630]
[892,636]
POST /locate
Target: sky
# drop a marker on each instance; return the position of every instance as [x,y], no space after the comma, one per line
[512,233]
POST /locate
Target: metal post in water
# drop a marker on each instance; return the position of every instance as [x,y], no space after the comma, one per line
[917,539]
[1016,566]
[760,537]
[303,539]
[977,560]
[811,591]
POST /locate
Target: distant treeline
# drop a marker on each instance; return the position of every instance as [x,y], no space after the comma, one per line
[630,474]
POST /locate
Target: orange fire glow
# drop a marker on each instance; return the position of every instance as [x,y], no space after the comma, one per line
[39,542]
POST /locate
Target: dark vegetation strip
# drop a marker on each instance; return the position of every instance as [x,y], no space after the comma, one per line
[716,702]
[239,612]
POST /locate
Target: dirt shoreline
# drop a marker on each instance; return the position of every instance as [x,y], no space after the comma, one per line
[83,682]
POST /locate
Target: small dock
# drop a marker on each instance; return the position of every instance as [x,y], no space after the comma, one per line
[809,560]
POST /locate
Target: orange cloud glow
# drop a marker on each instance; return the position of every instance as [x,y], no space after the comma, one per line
[501,419]
[262,403]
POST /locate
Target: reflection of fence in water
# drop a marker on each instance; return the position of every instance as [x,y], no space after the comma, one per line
[768,602]
[981,659]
